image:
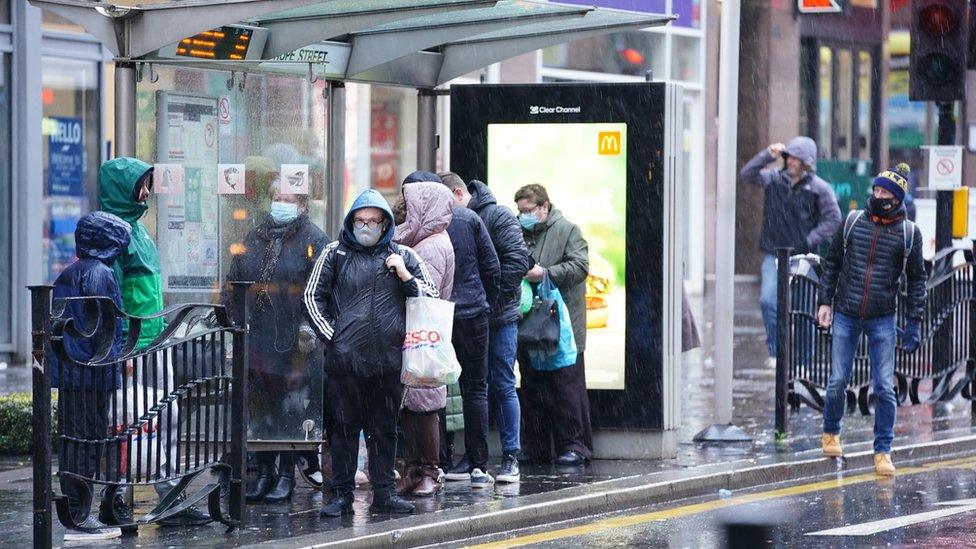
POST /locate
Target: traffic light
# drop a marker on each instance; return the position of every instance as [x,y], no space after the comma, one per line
[937,64]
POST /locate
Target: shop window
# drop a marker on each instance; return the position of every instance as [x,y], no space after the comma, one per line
[6,207]
[5,12]
[70,137]
[864,95]
[685,58]
[825,104]
[844,112]
[630,53]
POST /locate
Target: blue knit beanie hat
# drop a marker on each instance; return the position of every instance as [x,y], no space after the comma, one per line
[894,180]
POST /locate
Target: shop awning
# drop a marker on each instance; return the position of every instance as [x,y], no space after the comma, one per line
[418,43]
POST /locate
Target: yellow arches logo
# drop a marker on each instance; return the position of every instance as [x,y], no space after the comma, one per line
[609,143]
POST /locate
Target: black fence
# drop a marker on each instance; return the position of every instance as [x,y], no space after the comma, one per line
[170,417]
[946,357]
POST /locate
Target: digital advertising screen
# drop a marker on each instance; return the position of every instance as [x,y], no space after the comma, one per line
[583,167]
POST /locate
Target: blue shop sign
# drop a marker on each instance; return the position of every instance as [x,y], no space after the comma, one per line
[66,156]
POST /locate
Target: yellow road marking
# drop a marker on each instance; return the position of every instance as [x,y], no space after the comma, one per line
[704,507]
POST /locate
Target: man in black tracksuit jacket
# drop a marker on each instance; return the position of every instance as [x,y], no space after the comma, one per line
[356,301]
[858,294]
[514,259]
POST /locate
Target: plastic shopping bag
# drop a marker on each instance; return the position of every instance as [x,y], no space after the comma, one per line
[132,409]
[428,354]
[565,353]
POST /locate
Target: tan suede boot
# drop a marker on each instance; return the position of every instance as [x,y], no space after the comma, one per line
[883,465]
[831,445]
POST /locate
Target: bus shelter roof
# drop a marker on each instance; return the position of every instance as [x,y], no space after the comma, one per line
[417,43]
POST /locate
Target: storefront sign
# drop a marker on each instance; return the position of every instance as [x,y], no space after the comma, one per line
[945,168]
[66,156]
[819,6]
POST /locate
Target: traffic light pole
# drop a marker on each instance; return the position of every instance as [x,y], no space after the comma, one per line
[943,199]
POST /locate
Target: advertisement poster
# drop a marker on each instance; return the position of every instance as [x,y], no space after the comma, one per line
[583,166]
[384,132]
[66,156]
[188,220]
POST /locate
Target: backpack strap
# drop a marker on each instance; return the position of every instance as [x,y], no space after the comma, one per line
[908,234]
[852,218]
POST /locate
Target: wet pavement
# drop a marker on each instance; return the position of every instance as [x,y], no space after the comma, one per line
[754,405]
[931,506]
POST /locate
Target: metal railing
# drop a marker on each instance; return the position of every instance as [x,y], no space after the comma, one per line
[158,417]
[947,355]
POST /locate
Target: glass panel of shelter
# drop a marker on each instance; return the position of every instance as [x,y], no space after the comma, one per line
[225,146]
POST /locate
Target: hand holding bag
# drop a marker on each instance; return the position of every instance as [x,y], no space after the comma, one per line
[539,329]
[565,353]
[428,354]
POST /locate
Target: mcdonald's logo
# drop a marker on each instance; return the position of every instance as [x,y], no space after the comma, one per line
[608,143]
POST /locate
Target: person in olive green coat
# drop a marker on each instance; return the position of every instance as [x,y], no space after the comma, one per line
[124,186]
[555,406]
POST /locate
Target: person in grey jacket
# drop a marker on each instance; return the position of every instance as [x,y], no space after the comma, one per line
[555,406]
[799,211]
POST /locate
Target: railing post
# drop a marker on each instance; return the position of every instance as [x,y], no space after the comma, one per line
[239,403]
[972,339]
[41,422]
[783,343]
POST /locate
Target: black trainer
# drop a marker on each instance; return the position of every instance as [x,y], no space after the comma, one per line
[509,471]
[122,513]
[191,516]
[461,471]
[340,504]
[391,504]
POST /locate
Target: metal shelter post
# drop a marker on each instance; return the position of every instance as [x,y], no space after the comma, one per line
[426,130]
[239,404]
[784,344]
[336,143]
[125,109]
[41,422]
[728,111]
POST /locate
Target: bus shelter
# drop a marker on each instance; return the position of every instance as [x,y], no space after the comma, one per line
[232,98]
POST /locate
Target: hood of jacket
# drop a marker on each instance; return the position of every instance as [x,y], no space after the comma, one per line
[804,149]
[368,199]
[429,211]
[117,179]
[481,195]
[101,236]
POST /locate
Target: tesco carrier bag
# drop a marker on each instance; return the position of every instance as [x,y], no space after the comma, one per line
[428,354]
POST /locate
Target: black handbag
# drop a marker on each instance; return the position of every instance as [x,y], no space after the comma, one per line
[539,329]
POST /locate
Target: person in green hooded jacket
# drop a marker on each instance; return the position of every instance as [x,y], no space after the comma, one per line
[124,186]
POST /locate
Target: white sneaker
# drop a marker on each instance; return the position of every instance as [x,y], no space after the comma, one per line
[480,479]
[99,531]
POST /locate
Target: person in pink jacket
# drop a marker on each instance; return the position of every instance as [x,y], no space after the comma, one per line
[428,209]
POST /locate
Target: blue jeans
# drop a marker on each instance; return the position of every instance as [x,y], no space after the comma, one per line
[767,300]
[502,346]
[881,352]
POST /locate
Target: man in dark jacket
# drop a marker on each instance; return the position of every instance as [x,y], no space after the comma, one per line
[356,301]
[476,274]
[513,256]
[799,211]
[860,284]
[555,406]
[99,239]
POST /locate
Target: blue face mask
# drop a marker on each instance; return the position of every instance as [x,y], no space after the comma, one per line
[284,212]
[529,220]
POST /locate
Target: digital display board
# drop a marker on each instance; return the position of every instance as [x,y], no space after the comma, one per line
[584,169]
[224,43]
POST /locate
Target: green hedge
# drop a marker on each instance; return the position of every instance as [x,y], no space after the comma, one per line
[15,422]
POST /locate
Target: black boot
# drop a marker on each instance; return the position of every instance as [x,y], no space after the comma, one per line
[340,504]
[390,503]
[267,478]
[282,490]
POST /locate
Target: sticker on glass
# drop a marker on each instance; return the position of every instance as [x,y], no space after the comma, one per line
[230,178]
[294,179]
[168,178]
